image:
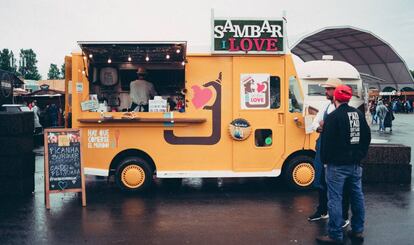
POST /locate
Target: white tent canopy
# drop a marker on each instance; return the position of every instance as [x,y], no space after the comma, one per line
[368,53]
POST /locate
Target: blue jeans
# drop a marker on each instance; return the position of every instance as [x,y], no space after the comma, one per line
[319,181]
[381,124]
[336,175]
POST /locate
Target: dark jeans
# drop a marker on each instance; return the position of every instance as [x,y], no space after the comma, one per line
[338,176]
[323,202]
[320,184]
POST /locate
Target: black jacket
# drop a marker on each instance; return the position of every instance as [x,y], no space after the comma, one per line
[346,136]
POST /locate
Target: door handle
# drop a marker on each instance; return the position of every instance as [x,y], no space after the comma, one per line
[280,117]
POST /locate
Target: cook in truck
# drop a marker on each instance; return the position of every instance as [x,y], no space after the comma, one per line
[141,91]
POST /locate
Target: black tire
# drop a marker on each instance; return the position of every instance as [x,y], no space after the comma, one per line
[16,123]
[137,167]
[295,166]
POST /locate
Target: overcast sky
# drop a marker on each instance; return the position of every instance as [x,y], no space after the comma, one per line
[52,27]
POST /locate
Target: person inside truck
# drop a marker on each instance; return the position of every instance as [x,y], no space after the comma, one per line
[141,91]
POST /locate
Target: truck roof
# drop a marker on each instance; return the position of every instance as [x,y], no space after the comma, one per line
[323,69]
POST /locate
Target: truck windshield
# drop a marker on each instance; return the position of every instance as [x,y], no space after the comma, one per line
[295,96]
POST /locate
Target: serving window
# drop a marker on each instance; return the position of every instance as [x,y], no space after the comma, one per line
[145,77]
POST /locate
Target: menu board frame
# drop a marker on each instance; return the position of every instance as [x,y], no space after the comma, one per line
[47,165]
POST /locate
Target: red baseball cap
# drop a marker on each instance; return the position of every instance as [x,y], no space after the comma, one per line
[343,93]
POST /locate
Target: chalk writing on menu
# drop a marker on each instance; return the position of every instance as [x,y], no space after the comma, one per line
[64,160]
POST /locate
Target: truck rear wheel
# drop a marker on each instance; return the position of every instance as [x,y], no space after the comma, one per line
[299,173]
[134,174]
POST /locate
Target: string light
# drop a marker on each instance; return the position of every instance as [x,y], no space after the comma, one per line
[167,56]
[109,61]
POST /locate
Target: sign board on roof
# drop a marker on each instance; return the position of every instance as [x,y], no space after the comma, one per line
[248,36]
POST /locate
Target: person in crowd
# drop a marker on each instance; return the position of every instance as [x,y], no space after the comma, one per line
[394,106]
[372,110]
[381,113]
[345,141]
[53,114]
[412,106]
[389,117]
[36,112]
[407,106]
[319,182]
[399,106]
[141,91]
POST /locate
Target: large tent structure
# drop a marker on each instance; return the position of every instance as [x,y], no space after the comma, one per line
[378,63]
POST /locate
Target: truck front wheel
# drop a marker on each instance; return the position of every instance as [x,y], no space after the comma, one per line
[299,173]
[134,174]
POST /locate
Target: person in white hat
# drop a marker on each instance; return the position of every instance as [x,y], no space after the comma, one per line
[319,182]
[141,91]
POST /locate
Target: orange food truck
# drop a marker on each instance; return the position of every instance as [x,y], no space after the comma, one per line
[235,112]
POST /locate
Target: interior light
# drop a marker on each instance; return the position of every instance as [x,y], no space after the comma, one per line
[84,57]
[167,56]
[90,56]
[183,63]
[178,51]
[129,58]
[147,58]
[109,61]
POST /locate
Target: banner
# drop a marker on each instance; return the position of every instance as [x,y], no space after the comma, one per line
[248,36]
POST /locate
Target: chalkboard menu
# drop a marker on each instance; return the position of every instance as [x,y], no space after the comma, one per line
[63,165]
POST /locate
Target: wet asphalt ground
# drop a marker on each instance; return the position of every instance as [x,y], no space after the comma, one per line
[202,211]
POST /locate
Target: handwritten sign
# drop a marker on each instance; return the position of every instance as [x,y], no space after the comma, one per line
[63,164]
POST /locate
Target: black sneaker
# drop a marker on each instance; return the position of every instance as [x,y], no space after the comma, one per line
[356,236]
[318,216]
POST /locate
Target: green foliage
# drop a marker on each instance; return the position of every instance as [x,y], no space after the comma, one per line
[7,61]
[54,72]
[62,70]
[28,65]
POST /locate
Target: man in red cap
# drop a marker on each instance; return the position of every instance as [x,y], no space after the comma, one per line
[319,182]
[345,140]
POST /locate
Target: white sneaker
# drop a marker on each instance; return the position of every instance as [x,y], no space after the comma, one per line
[346,223]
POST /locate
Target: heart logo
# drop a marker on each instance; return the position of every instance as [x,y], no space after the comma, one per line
[261,87]
[201,96]
[62,185]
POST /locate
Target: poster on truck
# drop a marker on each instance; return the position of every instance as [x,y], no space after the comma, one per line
[255,91]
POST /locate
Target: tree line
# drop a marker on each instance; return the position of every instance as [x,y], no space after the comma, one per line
[26,65]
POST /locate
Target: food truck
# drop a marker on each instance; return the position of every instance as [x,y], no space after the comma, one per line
[234,112]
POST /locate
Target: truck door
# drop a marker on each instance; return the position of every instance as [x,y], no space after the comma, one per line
[258,101]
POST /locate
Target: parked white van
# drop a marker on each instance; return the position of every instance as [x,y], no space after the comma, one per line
[314,73]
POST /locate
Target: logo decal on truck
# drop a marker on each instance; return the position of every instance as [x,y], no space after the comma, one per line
[255,91]
[201,96]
